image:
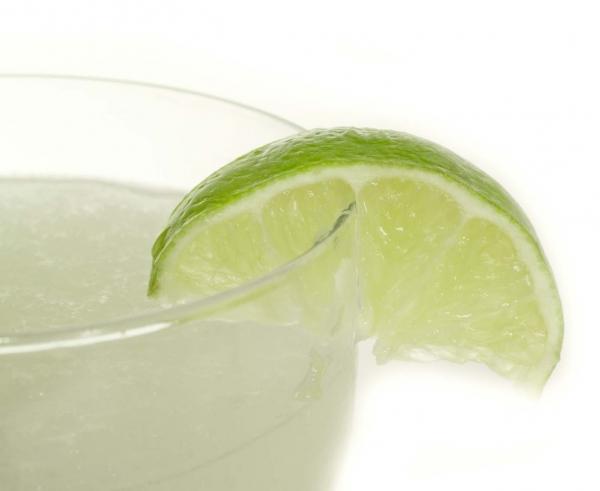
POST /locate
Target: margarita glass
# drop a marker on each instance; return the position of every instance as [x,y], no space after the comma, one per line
[104,389]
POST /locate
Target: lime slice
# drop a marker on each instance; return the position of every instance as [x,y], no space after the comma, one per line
[450,267]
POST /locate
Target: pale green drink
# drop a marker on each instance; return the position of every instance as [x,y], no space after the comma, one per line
[235,397]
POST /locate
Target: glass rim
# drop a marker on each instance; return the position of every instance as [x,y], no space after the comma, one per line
[162,318]
[124,327]
[146,323]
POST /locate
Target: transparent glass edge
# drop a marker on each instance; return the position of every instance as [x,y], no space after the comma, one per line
[128,327]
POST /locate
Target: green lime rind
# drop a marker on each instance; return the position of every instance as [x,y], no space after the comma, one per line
[319,149]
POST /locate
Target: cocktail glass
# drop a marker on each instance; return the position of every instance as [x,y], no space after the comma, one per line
[249,389]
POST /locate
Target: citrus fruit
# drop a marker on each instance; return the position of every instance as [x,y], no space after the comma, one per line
[449,265]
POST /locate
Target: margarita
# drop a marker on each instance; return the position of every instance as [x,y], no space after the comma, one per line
[230,395]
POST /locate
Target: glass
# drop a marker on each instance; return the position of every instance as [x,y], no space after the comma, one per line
[247,390]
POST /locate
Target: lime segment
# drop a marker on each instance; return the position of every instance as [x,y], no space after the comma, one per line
[449,266]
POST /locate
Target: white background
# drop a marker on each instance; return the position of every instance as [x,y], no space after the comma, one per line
[512,86]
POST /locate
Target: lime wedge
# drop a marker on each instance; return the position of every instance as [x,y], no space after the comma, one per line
[450,267]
